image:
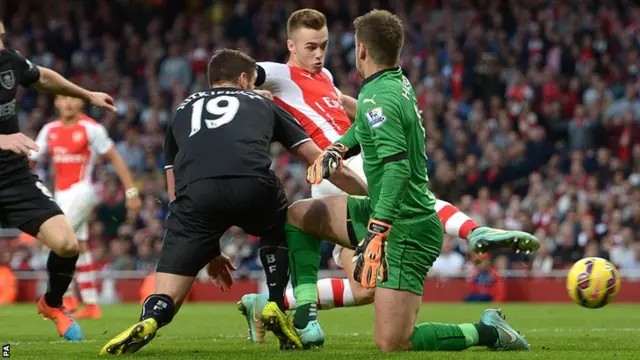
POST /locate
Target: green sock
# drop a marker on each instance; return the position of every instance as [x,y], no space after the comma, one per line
[439,337]
[304,262]
[471,334]
[487,335]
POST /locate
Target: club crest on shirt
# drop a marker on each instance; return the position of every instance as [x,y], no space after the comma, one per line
[7,80]
[375,117]
[77,136]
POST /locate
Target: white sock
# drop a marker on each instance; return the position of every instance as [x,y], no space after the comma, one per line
[332,293]
[86,278]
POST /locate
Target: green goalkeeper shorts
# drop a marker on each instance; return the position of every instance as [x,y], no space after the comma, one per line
[411,247]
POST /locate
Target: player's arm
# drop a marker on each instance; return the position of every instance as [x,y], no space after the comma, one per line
[344,178]
[50,81]
[122,170]
[41,141]
[269,74]
[100,143]
[291,135]
[350,106]
[170,151]
[388,136]
[384,123]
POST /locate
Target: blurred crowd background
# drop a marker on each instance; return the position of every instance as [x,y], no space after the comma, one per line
[531,107]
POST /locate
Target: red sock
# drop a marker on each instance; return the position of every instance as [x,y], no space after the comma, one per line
[455,222]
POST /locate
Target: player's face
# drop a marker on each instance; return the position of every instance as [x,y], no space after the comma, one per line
[1,36]
[361,54]
[68,107]
[308,48]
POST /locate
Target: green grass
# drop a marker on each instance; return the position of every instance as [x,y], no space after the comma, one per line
[218,332]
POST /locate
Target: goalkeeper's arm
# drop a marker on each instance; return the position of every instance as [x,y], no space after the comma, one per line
[391,147]
[394,182]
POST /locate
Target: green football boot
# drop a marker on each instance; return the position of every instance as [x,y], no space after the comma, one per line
[508,337]
[484,239]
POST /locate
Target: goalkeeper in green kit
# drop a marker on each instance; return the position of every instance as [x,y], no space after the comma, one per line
[395,231]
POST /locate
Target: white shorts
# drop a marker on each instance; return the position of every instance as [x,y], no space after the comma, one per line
[77,203]
[326,188]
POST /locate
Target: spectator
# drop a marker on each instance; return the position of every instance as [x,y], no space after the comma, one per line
[581,130]
[485,284]
[450,262]
[537,126]
[543,261]
[174,70]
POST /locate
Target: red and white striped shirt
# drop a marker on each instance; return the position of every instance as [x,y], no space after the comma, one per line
[312,99]
[73,148]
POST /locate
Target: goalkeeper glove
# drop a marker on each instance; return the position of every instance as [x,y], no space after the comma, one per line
[326,164]
[369,256]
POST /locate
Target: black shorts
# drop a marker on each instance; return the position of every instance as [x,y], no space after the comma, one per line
[26,204]
[205,209]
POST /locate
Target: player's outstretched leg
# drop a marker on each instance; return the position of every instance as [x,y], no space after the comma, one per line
[483,238]
[336,293]
[304,258]
[491,331]
[56,234]
[309,221]
[158,310]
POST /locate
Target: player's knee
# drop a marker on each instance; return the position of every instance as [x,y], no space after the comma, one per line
[64,243]
[82,247]
[388,344]
[56,233]
[296,212]
[363,296]
[67,246]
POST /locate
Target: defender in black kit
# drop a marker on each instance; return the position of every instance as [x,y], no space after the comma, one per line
[25,203]
[218,176]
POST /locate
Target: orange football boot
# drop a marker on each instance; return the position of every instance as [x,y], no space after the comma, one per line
[90,311]
[67,326]
[70,303]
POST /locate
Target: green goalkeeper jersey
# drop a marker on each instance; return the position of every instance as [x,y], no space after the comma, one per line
[389,129]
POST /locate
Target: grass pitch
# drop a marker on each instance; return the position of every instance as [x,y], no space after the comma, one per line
[218,331]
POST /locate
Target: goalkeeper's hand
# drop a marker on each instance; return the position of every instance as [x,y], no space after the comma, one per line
[369,256]
[326,164]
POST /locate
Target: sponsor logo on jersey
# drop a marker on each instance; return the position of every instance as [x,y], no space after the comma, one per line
[370,101]
[375,117]
[62,156]
[7,80]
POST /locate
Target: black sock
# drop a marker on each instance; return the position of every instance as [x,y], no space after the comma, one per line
[159,307]
[487,335]
[60,271]
[275,261]
[304,314]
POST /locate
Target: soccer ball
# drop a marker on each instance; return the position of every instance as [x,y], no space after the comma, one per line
[593,282]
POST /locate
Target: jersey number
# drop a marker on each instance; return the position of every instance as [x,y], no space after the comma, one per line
[227,112]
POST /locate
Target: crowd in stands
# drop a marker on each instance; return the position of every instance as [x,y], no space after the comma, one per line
[531,110]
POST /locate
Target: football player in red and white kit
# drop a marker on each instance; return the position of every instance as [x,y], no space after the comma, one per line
[74,142]
[305,88]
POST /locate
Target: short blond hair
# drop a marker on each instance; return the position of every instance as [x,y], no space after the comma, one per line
[305,18]
[382,34]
